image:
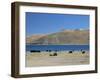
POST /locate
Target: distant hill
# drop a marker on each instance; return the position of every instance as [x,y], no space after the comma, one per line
[32,38]
[62,37]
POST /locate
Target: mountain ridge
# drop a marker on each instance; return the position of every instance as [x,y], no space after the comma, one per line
[72,37]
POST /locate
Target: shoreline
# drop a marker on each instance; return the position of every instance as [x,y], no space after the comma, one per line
[34,59]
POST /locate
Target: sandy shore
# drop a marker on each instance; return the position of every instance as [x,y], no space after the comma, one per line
[62,58]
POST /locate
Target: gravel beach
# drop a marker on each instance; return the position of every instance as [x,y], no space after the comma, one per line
[36,59]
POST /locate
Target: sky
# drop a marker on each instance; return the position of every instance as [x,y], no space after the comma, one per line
[46,23]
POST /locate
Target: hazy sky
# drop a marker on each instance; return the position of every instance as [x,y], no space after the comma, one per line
[45,23]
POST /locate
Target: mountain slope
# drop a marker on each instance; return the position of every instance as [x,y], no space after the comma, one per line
[64,37]
[32,38]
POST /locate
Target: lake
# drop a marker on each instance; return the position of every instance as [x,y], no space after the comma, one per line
[56,47]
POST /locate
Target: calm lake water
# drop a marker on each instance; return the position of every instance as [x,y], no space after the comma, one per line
[56,47]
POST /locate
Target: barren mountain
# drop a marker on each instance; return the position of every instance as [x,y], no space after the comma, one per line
[32,38]
[62,37]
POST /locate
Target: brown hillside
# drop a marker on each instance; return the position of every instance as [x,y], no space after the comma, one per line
[63,37]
